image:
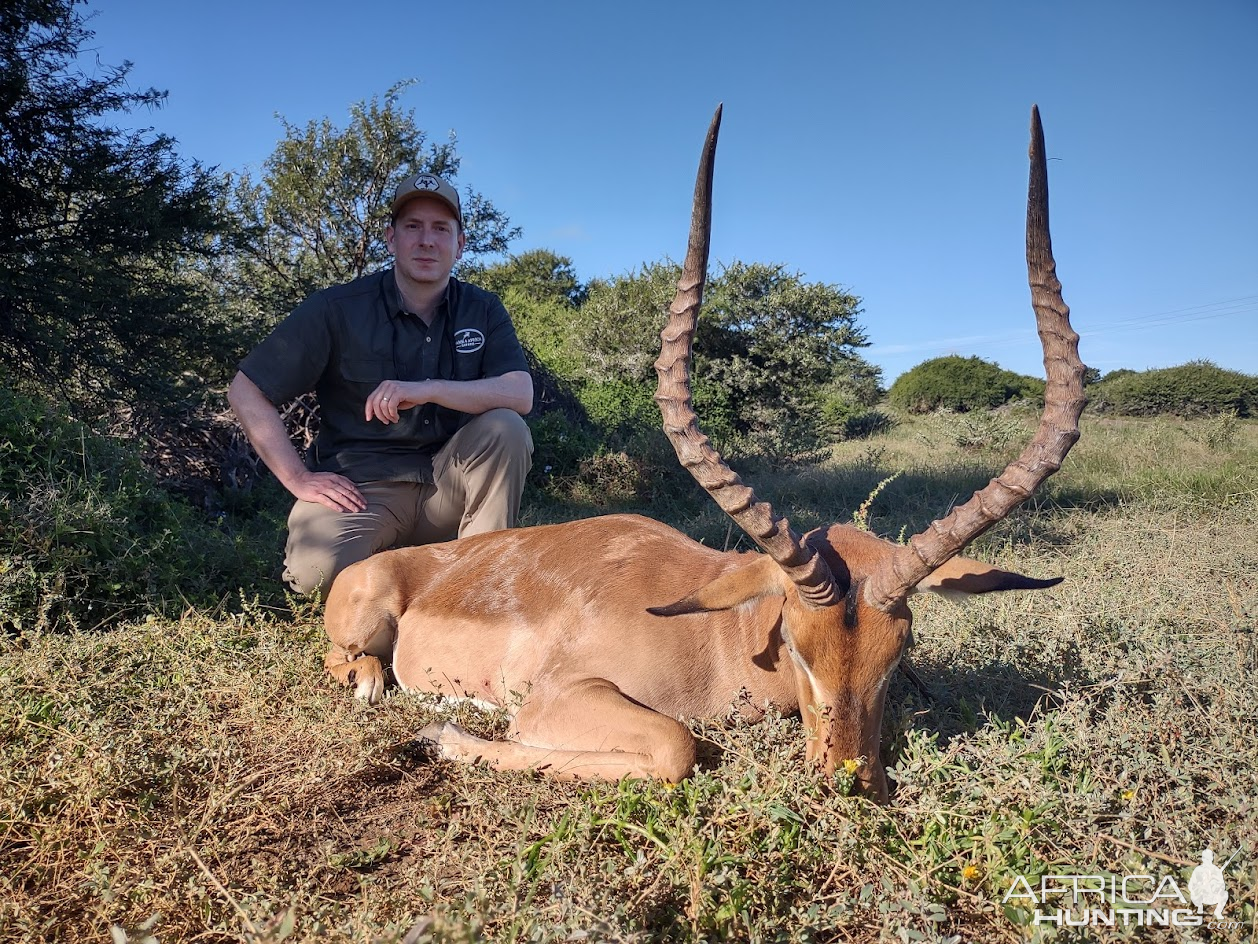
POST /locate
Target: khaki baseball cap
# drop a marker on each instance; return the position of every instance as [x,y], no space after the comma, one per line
[427,185]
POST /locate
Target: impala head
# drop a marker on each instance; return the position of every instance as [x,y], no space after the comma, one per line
[845,619]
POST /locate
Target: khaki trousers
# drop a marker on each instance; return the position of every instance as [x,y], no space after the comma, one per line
[479,477]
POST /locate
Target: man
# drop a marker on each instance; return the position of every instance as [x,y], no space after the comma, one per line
[422,386]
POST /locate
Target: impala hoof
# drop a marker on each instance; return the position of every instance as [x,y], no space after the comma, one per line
[370,688]
[429,740]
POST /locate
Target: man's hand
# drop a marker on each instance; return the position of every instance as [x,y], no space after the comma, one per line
[512,391]
[391,396]
[328,488]
[266,431]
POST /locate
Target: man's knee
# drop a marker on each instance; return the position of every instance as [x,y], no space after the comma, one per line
[311,569]
[482,471]
[504,432]
[496,443]
[322,543]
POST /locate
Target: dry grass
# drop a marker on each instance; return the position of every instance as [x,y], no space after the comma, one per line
[200,780]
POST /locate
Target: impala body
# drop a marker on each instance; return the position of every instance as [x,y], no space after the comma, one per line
[555,624]
[601,636]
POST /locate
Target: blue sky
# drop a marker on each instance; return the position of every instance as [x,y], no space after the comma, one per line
[877,146]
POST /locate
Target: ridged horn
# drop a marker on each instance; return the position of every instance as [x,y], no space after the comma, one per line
[1064,400]
[772,533]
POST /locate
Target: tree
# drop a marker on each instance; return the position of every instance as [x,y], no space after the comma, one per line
[780,350]
[771,352]
[617,336]
[98,224]
[538,273]
[542,292]
[317,215]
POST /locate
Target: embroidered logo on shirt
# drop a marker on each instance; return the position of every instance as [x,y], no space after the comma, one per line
[468,340]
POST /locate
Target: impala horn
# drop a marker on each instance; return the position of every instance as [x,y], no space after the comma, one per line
[1064,400]
[772,533]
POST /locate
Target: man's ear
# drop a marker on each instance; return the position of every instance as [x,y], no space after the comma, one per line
[761,578]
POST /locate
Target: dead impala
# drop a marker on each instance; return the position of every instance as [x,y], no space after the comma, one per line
[600,634]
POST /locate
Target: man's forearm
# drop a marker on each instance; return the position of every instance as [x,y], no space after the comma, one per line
[265,428]
[512,391]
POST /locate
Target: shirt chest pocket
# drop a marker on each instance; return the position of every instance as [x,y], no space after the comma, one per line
[363,375]
[469,353]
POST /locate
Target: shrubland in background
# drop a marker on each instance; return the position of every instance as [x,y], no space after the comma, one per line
[176,767]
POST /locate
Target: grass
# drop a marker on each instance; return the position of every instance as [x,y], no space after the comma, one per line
[198,779]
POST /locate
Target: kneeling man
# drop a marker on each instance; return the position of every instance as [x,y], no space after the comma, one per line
[422,388]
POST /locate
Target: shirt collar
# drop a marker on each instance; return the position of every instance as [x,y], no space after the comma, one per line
[393,296]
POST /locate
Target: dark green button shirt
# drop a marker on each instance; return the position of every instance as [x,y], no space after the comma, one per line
[344,341]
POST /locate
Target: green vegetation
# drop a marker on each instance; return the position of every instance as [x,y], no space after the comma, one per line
[102,230]
[964,384]
[773,353]
[960,384]
[200,777]
[87,536]
[1198,388]
[176,765]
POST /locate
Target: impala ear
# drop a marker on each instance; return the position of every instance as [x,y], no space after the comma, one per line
[759,579]
[961,576]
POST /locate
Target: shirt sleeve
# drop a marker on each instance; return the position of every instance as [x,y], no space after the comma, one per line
[503,352]
[290,361]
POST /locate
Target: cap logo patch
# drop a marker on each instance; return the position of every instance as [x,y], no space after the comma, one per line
[427,182]
[468,340]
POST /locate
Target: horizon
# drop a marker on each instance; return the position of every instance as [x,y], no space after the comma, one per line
[894,167]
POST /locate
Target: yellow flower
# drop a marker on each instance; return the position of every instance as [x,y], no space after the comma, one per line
[851,766]
[1129,794]
[970,873]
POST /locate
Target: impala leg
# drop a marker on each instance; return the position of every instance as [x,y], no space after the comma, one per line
[589,732]
[363,672]
[361,637]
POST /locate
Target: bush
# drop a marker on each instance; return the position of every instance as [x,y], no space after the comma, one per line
[574,465]
[538,274]
[961,384]
[560,445]
[1198,388]
[622,409]
[843,419]
[775,372]
[543,327]
[1218,432]
[87,536]
[986,430]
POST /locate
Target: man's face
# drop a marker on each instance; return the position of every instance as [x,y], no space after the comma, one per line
[425,241]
